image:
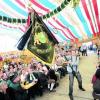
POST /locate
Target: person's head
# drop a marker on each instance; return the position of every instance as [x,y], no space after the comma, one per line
[68,52]
[39,65]
[57,56]
[24,70]
[34,67]
[15,69]
[20,65]
[15,65]
[5,76]
[11,68]
[73,52]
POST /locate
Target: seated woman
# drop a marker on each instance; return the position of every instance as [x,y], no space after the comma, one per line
[96,85]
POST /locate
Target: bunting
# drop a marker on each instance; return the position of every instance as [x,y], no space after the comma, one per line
[12,20]
[74,3]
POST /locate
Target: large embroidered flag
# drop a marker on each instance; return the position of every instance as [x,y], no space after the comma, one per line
[41,41]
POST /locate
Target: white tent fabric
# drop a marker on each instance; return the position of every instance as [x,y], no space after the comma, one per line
[9,39]
[80,23]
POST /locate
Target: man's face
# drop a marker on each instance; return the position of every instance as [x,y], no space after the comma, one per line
[73,52]
[23,71]
[39,64]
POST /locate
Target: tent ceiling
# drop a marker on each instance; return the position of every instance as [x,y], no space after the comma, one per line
[81,22]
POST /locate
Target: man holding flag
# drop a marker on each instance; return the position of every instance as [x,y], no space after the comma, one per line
[72,68]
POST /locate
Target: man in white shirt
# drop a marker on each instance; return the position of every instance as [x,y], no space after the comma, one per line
[72,68]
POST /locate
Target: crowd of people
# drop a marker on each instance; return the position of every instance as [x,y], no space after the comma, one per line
[26,81]
[83,50]
[20,81]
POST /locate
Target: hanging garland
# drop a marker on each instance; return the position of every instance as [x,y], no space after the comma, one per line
[50,14]
[61,7]
[12,20]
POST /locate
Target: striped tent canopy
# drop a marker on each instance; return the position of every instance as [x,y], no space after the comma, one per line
[80,22]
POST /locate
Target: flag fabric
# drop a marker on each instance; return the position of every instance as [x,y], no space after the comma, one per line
[40,39]
[22,42]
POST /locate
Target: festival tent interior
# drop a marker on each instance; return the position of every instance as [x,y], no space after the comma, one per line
[68,20]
